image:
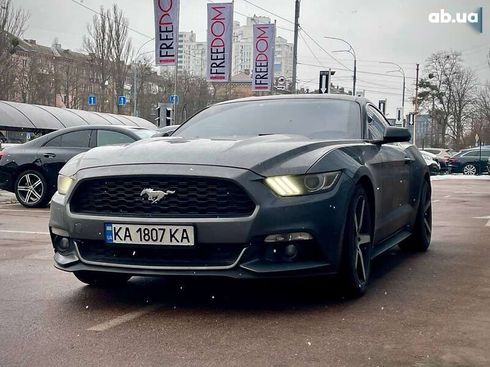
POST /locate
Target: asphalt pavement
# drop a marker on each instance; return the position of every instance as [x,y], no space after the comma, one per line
[423,310]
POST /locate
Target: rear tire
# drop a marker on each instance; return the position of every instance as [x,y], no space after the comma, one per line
[419,240]
[358,237]
[101,279]
[31,189]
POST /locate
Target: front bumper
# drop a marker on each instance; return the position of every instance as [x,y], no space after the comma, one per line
[230,247]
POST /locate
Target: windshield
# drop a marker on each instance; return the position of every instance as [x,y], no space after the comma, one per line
[313,118]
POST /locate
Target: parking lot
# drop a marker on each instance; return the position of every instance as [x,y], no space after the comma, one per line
[427,309]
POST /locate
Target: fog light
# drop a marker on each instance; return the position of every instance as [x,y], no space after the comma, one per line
[291,252]
[288,237]
[63,244]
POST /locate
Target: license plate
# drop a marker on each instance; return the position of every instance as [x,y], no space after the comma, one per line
[136,234]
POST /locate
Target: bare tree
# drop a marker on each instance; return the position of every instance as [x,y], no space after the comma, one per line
[13,23]
[98,45]
[194,96]
[464,89]
[482,116]
[109,44]
[448,91]
[121,49]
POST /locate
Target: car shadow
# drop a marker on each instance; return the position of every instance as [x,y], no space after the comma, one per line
[230,294]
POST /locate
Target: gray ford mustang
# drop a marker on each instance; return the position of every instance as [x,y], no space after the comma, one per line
[279,186]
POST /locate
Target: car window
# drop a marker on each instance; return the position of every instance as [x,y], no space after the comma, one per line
[107,137]
[376,125]
[55,142]
[471,153]
[76,139]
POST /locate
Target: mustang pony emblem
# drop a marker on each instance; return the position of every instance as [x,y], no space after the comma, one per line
[154,196]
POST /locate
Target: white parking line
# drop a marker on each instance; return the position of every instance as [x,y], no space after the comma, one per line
[22,232]
[487,218]
[25,210]
[123,318]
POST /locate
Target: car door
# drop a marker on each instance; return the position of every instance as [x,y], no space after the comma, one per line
[394,205]
[53,155]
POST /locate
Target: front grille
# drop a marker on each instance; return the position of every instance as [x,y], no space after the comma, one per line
[193,197]
[144,255]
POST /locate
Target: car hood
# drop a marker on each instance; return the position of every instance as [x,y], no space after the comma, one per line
[264,155]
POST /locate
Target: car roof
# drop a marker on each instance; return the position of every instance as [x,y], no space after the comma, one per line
[343,97]
[105,127]
[43,139]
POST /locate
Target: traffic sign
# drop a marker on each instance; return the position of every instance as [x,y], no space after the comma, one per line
[399,117]
[174,99]
[324,76]
[411,118]
[382,106]
[281,83]
[325,81]
[92,100]
[121,101]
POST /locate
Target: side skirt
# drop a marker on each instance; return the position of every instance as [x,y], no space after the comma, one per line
[390,242]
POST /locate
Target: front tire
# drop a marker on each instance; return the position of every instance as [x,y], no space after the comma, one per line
[96,278]
[470,169]
[358,237]
[422,230]
[31,189]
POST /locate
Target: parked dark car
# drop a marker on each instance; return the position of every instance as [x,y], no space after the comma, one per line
[263,187]
[30,170]
[469,162]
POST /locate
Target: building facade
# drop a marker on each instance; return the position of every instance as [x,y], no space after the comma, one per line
[192,54]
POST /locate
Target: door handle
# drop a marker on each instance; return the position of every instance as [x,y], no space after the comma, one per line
[49,155]
[408,160]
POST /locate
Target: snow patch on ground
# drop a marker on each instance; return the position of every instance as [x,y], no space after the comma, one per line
[7,197]
[460,177]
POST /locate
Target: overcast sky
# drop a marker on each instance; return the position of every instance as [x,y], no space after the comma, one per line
[379,30]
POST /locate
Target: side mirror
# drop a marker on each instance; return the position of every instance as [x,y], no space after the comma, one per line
[395,135]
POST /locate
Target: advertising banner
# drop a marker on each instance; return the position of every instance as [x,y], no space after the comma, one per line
[166,31]
[263,57]
[220,33]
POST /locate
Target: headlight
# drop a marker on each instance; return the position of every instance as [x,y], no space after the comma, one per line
[302,185]
[64,184]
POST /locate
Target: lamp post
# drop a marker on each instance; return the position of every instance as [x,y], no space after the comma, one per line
[402,71]
[135,87]
[353,53]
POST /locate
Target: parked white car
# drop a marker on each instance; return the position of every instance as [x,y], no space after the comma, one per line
[432,162]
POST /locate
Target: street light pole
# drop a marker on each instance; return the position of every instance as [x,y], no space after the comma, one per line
[295,45]
[416,107]
[353,53]
[135,76]
[135,88]
[402,71]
